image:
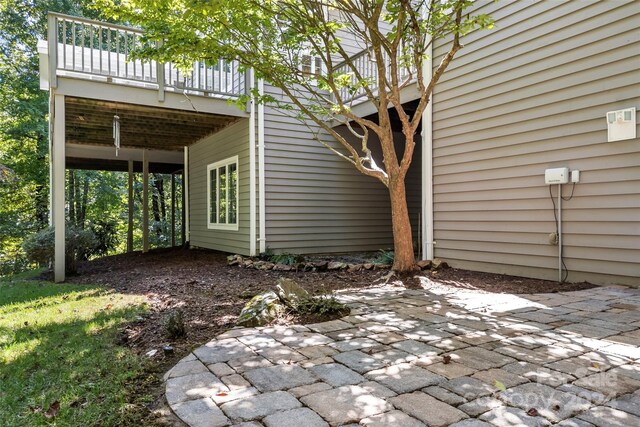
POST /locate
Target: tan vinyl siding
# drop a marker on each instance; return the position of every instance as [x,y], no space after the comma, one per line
[532,94]
[317,202]
[231,141]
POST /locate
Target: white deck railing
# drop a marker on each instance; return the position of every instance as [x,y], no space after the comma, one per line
[83,48]
[368,69]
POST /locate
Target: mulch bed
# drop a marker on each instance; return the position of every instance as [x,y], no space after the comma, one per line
[211,294]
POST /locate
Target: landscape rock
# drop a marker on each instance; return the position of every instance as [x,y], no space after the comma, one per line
[354,267]
[437,264]
[368,266]
[321,265]
[289,292]
[335,265]
[424,264]
[260,310]
[382,266]
[282,267]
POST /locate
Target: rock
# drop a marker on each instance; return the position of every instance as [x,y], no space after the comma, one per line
[334,265]
[321,265]
[438,264]
[382,266]
[234,260]
[282,267]
[424,264]
[260,310]
[247,263]
[309,266]
[289,292]
[354,267]
[367,266]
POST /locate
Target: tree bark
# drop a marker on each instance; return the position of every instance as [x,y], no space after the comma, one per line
[404,258]
[72,197]
[82,212]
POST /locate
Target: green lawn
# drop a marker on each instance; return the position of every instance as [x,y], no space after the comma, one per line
[58,342]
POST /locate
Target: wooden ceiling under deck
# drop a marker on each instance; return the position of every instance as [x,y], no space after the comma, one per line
[90,121]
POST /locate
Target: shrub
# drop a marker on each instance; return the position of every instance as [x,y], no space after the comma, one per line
[282,258]
[106,237]
[320,304]
[174,324]
[40,247]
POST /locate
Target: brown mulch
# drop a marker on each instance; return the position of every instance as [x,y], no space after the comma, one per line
[212,294]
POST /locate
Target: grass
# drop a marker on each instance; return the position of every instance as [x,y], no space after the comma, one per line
[58,342]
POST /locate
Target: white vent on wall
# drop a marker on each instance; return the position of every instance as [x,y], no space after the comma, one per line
[621,124]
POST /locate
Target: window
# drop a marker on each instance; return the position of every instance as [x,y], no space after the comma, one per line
[222,194]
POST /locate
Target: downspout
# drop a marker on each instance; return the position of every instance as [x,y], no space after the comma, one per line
[427,163]
[252,168]
[261,177]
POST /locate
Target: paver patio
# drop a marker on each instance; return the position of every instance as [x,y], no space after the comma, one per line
[513,360]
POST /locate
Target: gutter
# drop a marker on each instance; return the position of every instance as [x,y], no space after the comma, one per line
[427,164]
[261,177]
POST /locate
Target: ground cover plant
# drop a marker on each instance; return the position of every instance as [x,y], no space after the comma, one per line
[60,363]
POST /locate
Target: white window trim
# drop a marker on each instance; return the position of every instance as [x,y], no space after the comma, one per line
[215,166]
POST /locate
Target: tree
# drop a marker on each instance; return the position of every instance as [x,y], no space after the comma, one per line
[279,39]
[23,121]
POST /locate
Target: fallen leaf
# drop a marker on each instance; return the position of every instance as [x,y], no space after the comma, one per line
[222,394]
[533,412]
[446,359]
[595,365]
[53,410]
[108,307]
[500,386]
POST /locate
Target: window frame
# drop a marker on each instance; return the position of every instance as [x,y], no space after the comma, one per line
[216,167]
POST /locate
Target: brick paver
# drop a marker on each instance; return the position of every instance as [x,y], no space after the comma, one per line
[437,356]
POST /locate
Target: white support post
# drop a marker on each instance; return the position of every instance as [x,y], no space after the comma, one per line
[252,169]
[261,175]
[130,209]
[52,40]
[58,186]
[145,201]
[427,165]
[185,191]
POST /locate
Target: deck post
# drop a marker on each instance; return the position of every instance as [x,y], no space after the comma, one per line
[185,191]
[52,40]
[145,201]
[183,225]
[173,209]
[58,186]
[130,209]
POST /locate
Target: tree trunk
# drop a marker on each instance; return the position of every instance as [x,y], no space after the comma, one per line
[72,197]
[404,258]
[82,212]
[155,207]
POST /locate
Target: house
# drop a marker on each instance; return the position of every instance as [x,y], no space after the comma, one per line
[530,95]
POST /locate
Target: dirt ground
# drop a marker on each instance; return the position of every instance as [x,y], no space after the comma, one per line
[211,295]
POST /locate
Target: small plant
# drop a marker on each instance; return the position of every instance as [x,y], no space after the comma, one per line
[174,324]
[384,257]
[321,304]
[282,258]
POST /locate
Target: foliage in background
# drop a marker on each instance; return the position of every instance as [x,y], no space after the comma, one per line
[96,199]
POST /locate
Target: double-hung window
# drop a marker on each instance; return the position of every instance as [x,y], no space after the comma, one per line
[222,194]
